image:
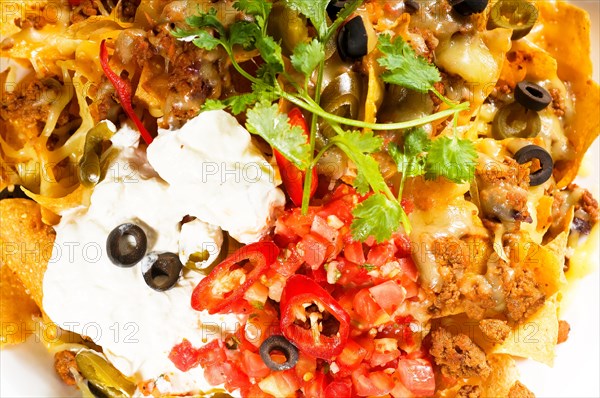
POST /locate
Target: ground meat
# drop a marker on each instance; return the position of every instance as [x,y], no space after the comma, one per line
[590,206]
[495,329]
[518,390]
[523,296]
[558,102]
[84,10]
[563,331]
[63,362]
[469,391]
[31,21]
[503,191]
[458,356]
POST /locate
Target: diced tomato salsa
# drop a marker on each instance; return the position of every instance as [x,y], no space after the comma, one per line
[368,290]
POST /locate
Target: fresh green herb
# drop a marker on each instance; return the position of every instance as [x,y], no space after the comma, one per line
[376,216]
[266,120]
[404,67]
[381,213]
[453,158]
[257,305]
[313,10]
[307,56]
[368,267]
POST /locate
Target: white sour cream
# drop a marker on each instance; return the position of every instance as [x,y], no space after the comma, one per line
[136,326]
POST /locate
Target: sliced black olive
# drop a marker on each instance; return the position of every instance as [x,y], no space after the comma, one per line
[532,96]
[531,152]
[516,121]
[334,7]
[280,344]
[13,192]
[161,270]
[468,7]
[411,6]
[352,40]
[518,15]
[126,245]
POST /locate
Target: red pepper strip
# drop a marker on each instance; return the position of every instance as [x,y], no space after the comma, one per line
[293,178]
[123,88]
[300,290]
[221,288]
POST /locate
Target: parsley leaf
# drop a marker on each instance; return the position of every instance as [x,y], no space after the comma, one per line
[313,10]
[452,158]
[265,120]
[307,56]
[404,67]
[376,216]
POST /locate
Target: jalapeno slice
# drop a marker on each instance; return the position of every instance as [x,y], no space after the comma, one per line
[518,15]
[516,121]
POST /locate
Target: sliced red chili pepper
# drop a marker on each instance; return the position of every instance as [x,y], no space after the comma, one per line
[293,178]
[123,88]
[299,293]
[229,280]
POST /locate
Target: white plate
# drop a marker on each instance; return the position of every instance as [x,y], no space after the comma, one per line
[27,370]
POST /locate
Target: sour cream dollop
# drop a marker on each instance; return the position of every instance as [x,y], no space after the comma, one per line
[137,326]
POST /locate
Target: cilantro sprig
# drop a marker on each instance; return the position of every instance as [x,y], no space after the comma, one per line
[380,213]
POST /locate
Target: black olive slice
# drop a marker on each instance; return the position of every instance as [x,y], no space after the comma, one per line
[468,7]
[161,270]
[530,152]
[411,6]
[13,192]
[352,40]
[532,96]
[334,7]
[280,344]
[126,245]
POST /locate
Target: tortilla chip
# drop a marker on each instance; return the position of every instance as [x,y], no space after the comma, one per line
[25,243]
[536,338]
[503,376]
[17,309]
[51,207]
[571,48]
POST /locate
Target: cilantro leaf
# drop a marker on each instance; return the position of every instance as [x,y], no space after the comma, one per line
[361,183]
[313,10]
[376,216]
[404,67]
[452,158]
[213,105]
[416,141]
[260,9]
[411,160]
[237,103]
[365,142]
[207,20]
[265,120]
[307,56]
[270,51]
[243,33]
[206,41]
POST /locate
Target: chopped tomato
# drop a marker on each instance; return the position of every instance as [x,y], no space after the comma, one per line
[339,389]
[253,365]
[184,356]
[353,252]
[306,366]
[388,295]
[314,387]
[386,350]
[314,249]
[369,384]
[368,310]
[417,376]
[381,254]
[280,384]
[351,356]
[212,353]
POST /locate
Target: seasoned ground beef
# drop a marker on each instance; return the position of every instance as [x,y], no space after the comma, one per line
[518,390]
[63,362]
[469,391]
[494,329]
[458,356]
[523,296]
[563,331]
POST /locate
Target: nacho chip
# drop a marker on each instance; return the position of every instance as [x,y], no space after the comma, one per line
[17,309]
[571,48]
[503,376]
[536,338]
[25,243]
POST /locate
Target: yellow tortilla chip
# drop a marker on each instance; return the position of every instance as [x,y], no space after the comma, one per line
[17,309]
[503,376]
[571,48]
[535,338]
[26,243]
